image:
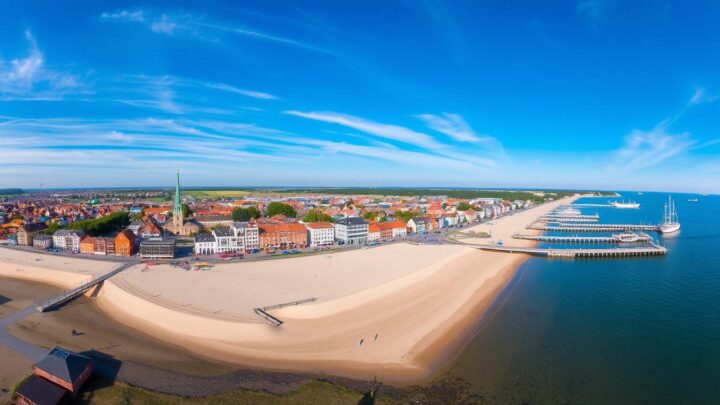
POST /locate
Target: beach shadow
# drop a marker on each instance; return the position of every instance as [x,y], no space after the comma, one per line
[4,299]
[105,365]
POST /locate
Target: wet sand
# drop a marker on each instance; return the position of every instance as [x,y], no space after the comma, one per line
[16,295]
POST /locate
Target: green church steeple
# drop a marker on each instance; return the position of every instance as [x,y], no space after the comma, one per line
[177,209]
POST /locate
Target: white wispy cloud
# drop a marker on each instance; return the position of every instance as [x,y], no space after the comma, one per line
[200,27]
[594,11]
[701,96]
[388,131]
[454,126]
[233,89]
[30,77]
[643,149]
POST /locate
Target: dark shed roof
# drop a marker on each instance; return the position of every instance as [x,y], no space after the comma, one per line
[41,391]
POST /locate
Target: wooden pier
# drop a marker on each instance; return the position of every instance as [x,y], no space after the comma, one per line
[588,205]
[567,219]
[262,312]
[595,227]
[580,239]
[652,250]
[553,216]
[79,290]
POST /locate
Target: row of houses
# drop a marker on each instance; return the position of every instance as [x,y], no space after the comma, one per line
[243,237]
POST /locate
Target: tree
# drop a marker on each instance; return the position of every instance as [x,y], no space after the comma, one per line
[52,228]
[463,206]
[405,215]
[102,225]
[245,214]
[317,216]
[278,208]
[186,210]
[373,215]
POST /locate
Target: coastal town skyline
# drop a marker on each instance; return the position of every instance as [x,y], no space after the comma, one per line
[440,95]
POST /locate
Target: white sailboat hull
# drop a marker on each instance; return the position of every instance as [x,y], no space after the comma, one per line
[669,228]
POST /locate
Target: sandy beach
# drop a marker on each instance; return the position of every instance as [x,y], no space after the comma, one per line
[394,311]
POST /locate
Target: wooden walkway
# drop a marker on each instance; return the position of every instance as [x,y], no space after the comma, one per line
[79,290]
[580,239]
[567,220]
[595,227]
[555,215]
[652,250]
[262,312]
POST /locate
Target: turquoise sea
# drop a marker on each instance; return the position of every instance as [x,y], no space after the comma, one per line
[609,331]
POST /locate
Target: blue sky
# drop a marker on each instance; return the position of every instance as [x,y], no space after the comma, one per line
[569,94]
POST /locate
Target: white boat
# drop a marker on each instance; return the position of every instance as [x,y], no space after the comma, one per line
[627,237]
[692,200]
[670,219]
[625,204]
[568,212]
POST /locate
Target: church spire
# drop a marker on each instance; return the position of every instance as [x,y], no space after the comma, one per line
[177,210]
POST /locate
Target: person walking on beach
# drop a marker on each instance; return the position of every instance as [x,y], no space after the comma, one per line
[376,335]
[361,342]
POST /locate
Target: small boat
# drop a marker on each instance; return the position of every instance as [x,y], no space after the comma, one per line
[625,204]
[627,237]
[670,219]
[639,192]
[568,212]
[692,200]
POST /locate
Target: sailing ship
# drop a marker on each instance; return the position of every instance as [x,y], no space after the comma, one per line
[625,204]
[670,219]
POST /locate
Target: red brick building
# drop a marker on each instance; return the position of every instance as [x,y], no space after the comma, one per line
[282,236]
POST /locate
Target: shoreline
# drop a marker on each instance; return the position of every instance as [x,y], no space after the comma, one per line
[467,283]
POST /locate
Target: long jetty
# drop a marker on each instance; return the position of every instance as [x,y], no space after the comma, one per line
[562,216]
[262,312]
[643,237]
[595,227]
[79,290]
[590,205]
[568,219]
[652,250]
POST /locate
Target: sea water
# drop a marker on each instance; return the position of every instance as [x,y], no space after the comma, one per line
[609,331]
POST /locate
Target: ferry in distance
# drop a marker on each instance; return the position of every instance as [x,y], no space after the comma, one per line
[625,204]
[670,219]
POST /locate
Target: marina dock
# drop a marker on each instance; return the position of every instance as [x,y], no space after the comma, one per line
[643,237]
[652,250]
[568,219]
[561,216]
[595,227]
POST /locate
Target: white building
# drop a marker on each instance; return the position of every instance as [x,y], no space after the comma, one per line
[238,238]
[351,231]
[68,240]
[320,234]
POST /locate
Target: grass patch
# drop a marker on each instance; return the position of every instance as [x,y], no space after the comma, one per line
[316,392]
[216,193]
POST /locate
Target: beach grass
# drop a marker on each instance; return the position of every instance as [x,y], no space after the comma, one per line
[98,391]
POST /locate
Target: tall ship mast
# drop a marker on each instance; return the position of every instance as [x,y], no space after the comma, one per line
[670,218]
